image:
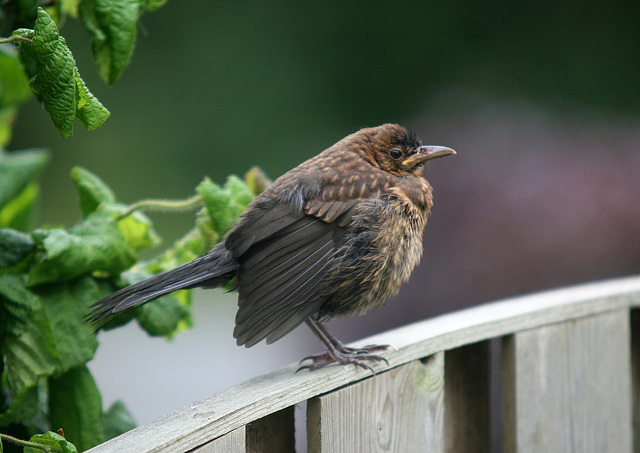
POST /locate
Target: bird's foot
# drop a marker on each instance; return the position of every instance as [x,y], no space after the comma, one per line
[347,355]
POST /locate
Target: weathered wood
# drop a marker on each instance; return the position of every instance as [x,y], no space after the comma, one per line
[467,399]
[234,442]
[568,386]
[274,433]
[271,434]
[401,410]
[635,374]
[226,411]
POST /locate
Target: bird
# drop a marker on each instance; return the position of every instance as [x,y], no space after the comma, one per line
[334,237]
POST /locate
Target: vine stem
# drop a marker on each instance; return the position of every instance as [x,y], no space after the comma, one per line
[23,443]
[15,39]
[163,205]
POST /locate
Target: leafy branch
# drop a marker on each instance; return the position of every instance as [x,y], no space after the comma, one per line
[48,64]
[50,276]
[50,442]
[56,79]
[16,39]
[163,205]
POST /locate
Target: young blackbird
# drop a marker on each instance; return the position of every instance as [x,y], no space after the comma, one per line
[334,237]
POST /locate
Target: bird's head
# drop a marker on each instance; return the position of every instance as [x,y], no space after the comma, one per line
[395,149]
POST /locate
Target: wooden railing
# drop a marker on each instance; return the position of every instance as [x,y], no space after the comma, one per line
[568,359]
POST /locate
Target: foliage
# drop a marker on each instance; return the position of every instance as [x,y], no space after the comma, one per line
[48,442]
[49,276]
[46,65]
[56,79]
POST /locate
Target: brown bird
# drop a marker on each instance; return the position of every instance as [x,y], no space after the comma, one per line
[332,238]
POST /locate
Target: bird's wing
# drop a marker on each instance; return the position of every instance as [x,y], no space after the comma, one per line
[338,196]
[280,278]
[284,256]
[338,211]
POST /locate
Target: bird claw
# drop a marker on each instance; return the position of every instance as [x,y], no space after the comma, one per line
[370,348]
[347,355]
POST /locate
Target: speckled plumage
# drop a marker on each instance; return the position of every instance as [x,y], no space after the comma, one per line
[334,237]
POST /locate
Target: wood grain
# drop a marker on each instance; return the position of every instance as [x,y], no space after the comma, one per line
[217,415]
[570,387]
[233,442]
[402,410]
[635,376]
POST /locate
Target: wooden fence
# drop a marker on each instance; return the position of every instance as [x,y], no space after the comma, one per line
[568,362]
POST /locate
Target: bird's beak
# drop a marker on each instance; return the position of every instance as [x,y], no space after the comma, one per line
[426,153]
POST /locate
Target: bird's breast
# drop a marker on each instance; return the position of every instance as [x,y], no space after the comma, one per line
[381,249]
[398,244]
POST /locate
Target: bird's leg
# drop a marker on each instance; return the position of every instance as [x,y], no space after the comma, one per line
[338,352]
[346,349]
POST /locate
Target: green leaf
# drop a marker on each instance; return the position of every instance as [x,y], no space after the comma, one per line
[152,5]
[113,25]
[240,192]
[18,213]
[95,244]
[257,180]
[92,191]
[117,420]
[14,247]
[89,110]
[55,337]
[70,7]
[223,205]
[29,356]
[189,247]
[16,304]
[137,229]
[18,169]
[65,306]
[205,227]
[75,406]
[56,78]
[54,441]
[164,315]
[184,250]
[24,407]
[220,207]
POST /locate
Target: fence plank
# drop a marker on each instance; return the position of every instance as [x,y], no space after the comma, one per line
[568,386]
[234,442]
[402,410]
[467,399]
[271,434]
[215,416]
[635,374]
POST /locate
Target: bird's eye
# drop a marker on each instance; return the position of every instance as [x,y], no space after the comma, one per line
[396,153]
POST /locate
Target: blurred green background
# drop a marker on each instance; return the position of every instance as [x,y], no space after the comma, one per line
[215,87]
[542,103]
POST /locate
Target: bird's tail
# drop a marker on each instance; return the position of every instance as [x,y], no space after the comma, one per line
[210,270]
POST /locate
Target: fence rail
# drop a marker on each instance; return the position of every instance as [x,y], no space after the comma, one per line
[570,367]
